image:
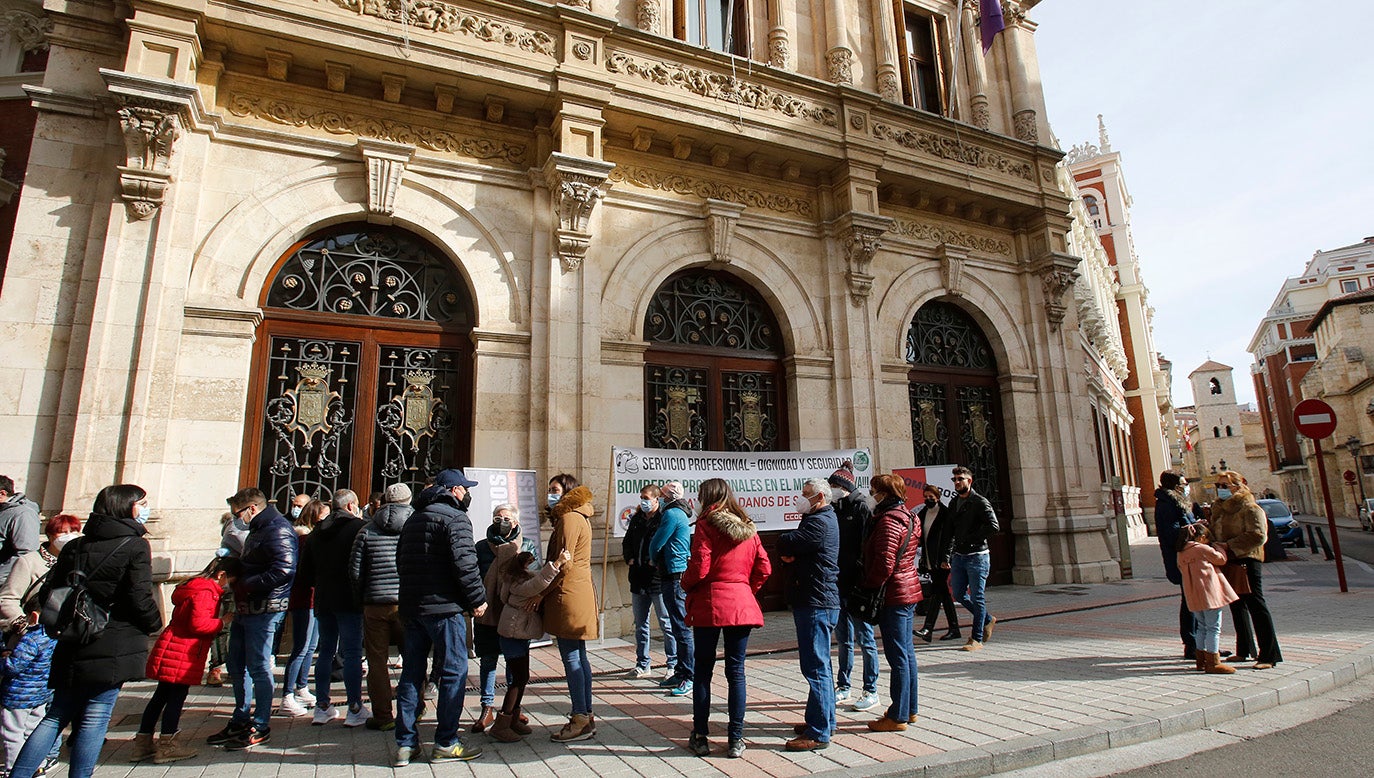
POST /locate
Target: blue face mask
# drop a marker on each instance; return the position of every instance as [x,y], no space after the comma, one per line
[648,505]
[1223,494]
[295,511]
[142,514]
[554,498]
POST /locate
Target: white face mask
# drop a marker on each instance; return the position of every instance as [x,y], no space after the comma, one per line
[801,504]
[837,494]
[63,539]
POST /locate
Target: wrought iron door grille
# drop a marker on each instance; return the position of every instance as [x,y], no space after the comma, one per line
[929,429]
[979,435]
[710,310]
[370,271]
[308,418]
[417,394]
[677,407]
[942,335]
[751,410]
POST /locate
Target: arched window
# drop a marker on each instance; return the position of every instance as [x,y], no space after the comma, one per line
[1216,432]
[362,374]
[1214,386]
[1090,203]
[1228,430]
[713,376]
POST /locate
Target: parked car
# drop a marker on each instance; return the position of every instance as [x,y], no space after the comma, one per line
[1367,515]
[1287,528]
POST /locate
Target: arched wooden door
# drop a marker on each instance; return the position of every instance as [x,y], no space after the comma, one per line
[713,376]
[956,411]
[362,374]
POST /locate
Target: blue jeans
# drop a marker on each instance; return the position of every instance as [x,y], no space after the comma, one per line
[736,643]
[305,635]
[340,631]
[448,636]
[814,628]
[897,621]
[1207,630]
[846,630]
[88,710]
[968,577]
[675,601]
[641,603]
[579,673]
[251,637]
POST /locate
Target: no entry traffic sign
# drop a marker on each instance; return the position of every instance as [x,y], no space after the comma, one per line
[1315,419]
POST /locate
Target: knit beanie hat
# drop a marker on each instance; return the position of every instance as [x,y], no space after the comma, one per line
[396,493]
[844,477]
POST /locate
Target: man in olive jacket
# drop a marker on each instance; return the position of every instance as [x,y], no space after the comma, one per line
[972,522]
[439,581]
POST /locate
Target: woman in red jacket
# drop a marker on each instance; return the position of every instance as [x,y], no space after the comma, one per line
[725,570]
[890,560]
[177,660]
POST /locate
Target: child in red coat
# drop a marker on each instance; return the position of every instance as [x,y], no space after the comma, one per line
[177,661]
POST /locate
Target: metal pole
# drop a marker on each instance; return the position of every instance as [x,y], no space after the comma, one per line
[1330,515]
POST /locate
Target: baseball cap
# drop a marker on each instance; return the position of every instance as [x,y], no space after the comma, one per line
[447,479]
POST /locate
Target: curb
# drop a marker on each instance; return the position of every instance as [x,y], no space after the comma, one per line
[1033,750]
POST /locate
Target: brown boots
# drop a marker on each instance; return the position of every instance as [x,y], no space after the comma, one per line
[503,730]
[484,719]
[1211,663]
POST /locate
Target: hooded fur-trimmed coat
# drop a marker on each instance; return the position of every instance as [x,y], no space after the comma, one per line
[727,567]
[569,602]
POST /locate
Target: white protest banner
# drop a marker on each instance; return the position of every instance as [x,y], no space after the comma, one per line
[494,487]
[764,482]
[917,477]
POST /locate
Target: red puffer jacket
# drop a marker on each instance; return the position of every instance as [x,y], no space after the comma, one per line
[179,656]
[726,569]
[891,521]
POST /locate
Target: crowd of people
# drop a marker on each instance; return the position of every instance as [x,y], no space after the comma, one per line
[417,572]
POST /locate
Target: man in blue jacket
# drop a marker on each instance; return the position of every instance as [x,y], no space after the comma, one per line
[813,551]
[669,549]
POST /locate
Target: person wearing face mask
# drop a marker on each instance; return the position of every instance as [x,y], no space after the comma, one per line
[559,485]
[17,593]
[812,549]
[645,587]
[972,521]
[486,642]
[1240,527]
[325,555]
[669,549]
[297,699]
[86,678]
[298,504]
[853,511]
[377,585]
[936,533]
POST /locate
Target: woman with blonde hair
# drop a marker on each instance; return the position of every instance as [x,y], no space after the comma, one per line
[1239,525]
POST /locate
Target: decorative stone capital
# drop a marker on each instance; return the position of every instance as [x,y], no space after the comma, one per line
[952,259]
[982,117]
[386,169]
[889,85]
[647,15]
[1057,274]
[721,217]
[150,112]
[861,234]
[779,49]
[840,65]
[1023,124]
[29,31]
[576,183]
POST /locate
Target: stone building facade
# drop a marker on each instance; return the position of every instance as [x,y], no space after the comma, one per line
[1220,441]
[317,243]
[1343,377]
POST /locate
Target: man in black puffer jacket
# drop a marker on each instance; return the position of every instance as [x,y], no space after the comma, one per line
[439,581]
[377,585]
[261,596]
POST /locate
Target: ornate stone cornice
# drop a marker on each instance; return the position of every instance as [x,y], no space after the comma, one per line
[939,234]
[30,31]
[648,178]
[386,168]
[435,16]
[576,184]
[862,235]
[721,218]
[1057,273]
[720,86]
[364,126]
[953,149]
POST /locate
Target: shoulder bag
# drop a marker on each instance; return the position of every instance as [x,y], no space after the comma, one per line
[69,613]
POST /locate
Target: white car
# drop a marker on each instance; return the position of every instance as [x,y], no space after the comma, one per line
[1367,515]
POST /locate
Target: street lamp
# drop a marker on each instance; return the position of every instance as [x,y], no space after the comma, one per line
[1353,445]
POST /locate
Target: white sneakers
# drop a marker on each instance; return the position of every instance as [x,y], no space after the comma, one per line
[304,697]
[325,715]
[291,705]
[357,718]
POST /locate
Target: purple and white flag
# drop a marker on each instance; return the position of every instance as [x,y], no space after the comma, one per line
[990,22]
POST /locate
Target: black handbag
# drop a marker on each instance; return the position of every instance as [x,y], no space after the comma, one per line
[69,613]
[866,604]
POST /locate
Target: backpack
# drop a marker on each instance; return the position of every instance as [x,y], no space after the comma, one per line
[69,613]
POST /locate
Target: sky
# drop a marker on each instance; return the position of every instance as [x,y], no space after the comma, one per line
[1246,133]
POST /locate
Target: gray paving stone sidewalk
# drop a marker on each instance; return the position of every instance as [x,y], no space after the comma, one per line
[1071,669]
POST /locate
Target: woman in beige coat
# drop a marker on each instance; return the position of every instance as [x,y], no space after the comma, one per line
[570,607]
[1239,523]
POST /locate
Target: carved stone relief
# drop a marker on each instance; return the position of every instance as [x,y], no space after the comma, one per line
[723,87]
[953,149]
[648,178]
[778,47]
[840,65]
[29,31]
[436,16]
[647,15]
[1024,125]
[150,129]
[952,260]
[939,235]
[386,167]
[862,235]
[890,86]
[1057,274]
[721,219]
[576,184]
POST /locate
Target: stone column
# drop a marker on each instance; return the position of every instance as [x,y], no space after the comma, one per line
[885,42]
[977,67]
[784,16]
[839,58]
[1015,38]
